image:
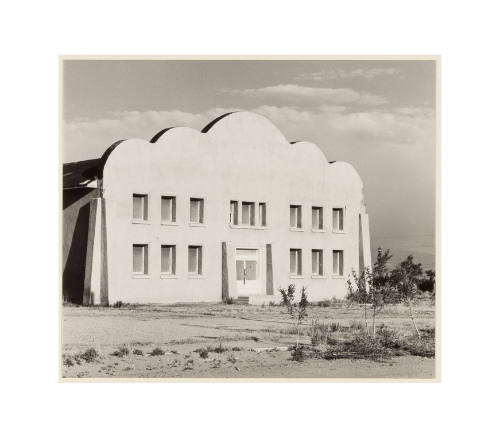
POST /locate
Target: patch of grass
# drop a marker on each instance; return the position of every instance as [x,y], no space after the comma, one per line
[157,352]
[68,362]
[137,352]
[121,352]
[400,345]
[321,331]
[229,301]
[236,348]
[256,339]
[356,325]
[120,304]
[362,346]
[232,359]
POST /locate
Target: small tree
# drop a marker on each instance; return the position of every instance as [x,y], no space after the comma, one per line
[381,292]
[405,278]
[428,284]
[372,287]
[297,311]
[358,290]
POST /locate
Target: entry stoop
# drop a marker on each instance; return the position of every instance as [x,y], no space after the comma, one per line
[242,300]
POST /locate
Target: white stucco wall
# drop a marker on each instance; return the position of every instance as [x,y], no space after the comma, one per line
[242,157]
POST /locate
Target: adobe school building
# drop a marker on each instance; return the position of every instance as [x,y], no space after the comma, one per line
[232,211]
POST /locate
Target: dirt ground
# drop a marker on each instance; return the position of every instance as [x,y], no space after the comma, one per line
[256,338]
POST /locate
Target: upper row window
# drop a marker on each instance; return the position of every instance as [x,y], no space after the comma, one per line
[168,209]
[249,214]
[316,218]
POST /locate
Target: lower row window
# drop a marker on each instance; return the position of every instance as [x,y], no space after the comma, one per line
[168,259]
[316,262]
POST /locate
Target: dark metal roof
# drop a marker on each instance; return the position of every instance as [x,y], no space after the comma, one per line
[79,174]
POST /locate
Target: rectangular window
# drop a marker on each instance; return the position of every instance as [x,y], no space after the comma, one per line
[196,210]
[317,262]
[317,218]
[247,213]
[168,209]
[140,259]
[338,262]
[296,261]
[338,220]
[168,259]
[233,213]
[262,214]
[140,207]
[295,216]
[194,259]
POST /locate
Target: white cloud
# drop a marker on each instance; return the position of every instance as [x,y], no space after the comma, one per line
[324,75]
[310,95]
[328,125]
[393,150]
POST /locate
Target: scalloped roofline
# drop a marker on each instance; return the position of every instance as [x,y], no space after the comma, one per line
[206,129]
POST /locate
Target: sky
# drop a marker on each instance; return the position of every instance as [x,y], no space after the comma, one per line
[377,115]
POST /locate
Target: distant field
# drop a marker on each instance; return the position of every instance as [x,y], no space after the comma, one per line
[240,342]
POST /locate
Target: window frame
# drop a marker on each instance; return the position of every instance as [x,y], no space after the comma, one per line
[251,213]
[297,254]
[340,263]
[321,223]
[145,208]
[145,261]
[173,210]
[173,260]
[201,211]
[262,214]
[341,211]
[298,216]
[321,270]
[233,212]
[199,261]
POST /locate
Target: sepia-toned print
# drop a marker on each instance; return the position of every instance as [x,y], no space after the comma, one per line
[249,218]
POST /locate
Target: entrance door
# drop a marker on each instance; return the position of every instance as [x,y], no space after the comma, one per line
[247,271]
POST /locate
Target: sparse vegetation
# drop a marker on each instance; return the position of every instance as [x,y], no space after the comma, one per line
[203,352]
[138,352]
[405,278]
[89,356]
[121,352]
[157,352]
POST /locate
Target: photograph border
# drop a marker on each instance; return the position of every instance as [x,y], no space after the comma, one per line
[437,310]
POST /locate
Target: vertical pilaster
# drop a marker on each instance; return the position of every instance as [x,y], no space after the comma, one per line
[269,270]
[225,278]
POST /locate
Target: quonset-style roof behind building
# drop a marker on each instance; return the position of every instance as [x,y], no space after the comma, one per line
[80,174]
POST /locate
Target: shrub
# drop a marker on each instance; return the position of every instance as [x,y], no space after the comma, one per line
[219,349]
[298,353]
[68,362]
[203,353]
[137,352]
[121,352]
[324,303]
[89,356]
[156,352]
[236,348]
[229,301]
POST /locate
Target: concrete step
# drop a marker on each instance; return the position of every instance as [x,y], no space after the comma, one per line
[241,300]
